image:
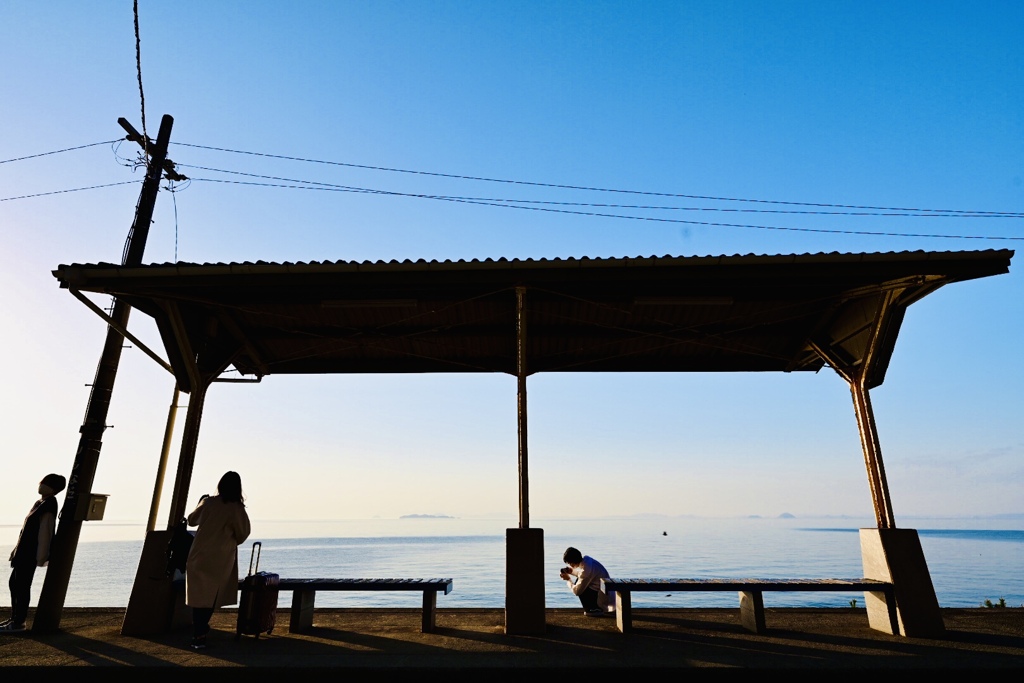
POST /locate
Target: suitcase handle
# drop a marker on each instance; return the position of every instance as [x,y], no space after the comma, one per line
[257,548]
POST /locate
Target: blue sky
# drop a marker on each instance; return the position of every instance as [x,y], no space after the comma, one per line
[917,105]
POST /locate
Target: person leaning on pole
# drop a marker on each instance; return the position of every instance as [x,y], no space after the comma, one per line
[32,550]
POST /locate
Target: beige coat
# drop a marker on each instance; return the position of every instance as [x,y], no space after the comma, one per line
[211,571]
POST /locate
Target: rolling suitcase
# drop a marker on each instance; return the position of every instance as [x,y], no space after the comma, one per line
[257,607]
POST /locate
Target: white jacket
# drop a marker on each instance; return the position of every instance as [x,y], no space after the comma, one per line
[588,577]
[211,571]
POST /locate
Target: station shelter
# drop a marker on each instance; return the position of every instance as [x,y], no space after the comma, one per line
[741,313]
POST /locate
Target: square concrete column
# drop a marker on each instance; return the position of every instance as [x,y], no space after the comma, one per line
[895,555]
[157,602]
[524,581]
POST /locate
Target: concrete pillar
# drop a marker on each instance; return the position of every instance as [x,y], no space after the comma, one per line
[157,602]
[895,555]
[524,582]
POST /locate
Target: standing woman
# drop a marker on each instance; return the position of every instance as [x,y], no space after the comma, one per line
[32,550]
[211,571]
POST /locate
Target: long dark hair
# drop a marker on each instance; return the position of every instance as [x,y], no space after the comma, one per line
[229,488]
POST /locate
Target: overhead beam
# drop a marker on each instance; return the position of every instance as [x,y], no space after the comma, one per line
[188,356]
[244,341]
[116,324]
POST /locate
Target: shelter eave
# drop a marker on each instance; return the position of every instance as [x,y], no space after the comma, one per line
[653,314]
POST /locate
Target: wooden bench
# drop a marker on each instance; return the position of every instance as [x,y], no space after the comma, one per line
[304,595]
[750,593]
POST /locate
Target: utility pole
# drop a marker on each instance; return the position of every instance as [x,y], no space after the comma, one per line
[79,490]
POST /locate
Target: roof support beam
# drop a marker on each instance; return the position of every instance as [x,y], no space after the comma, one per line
[116,324]
[524,476]
[872,456]
[524,547]
[151,602]
[152,598]
[226,319]
[187,455]
[165,452]
[188,355]
[857,376]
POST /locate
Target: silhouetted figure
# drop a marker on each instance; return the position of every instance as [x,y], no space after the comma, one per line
[584,575]
[32,550]
[211,571]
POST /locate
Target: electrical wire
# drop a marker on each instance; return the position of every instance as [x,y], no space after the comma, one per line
[614,206]
[591,189]
[139,161]
[58,151]
[138,69]
[609,215]
[174,188]
[73,189]
[549,206]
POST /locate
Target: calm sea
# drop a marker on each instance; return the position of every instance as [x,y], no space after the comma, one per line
[970,560]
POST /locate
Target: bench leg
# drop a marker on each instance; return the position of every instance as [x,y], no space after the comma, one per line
[890,605]
[623,611]
[752,611]
[429,610]
[302,611]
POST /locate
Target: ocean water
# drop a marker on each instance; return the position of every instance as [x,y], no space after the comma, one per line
[970,560]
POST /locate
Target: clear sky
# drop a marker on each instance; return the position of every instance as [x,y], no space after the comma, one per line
[913,104]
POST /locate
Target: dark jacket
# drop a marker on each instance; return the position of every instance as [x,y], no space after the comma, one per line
[28,551]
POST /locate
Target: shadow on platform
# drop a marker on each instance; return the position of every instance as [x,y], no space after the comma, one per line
[472,642]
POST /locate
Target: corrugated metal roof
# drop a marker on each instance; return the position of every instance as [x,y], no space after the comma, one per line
[669,313]
[588,261]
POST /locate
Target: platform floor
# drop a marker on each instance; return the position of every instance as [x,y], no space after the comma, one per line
[471,642]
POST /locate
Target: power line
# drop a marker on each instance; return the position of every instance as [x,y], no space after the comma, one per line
[73,189]
[59,151]
[496,200]
[608,215]
[138,70]
[855,210]
[174,189]
[550,206]
[593,189]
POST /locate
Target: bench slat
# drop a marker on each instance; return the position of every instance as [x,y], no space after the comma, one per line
[354,584]
[750,590]
[739,584]
[304,595]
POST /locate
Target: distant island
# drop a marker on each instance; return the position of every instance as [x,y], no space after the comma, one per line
[426,517]
[786,515]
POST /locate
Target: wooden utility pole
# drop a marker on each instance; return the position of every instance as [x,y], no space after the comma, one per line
[79,490]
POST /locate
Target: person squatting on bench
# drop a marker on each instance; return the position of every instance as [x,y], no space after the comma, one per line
[584,574]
